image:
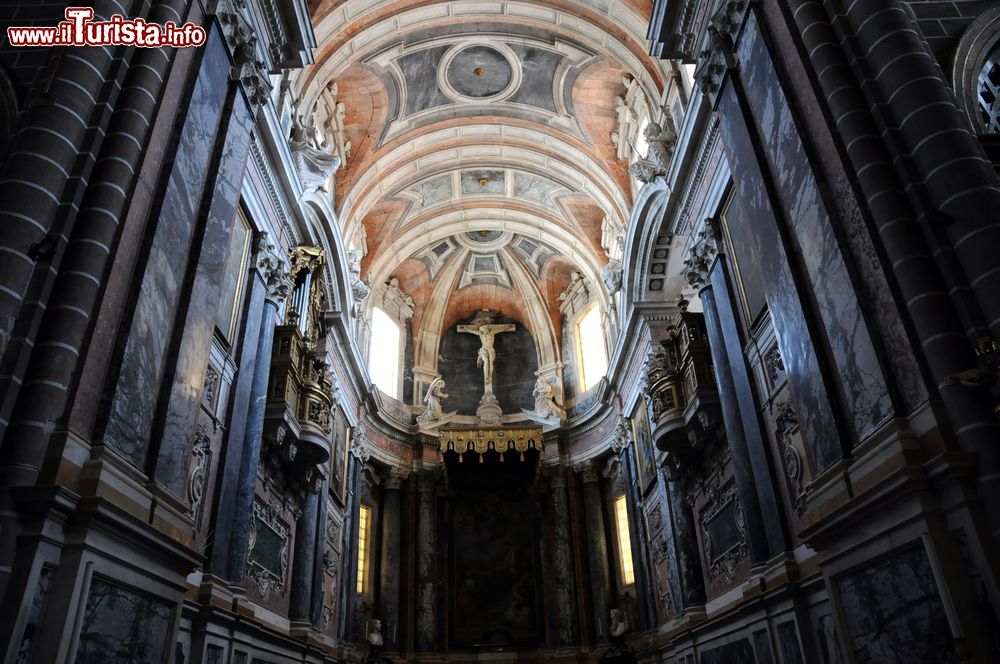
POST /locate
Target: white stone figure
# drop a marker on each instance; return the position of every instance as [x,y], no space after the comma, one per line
[657,160]
[375,633]
[612,274]
[432,401]
[619,625]
[481,326]
[358,287]
[315,160]
[545,401]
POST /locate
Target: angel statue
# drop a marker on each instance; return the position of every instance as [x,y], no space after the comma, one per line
[545,401]
[661,148]
[432,401]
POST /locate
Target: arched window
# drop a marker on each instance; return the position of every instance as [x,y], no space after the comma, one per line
[591,347]
[384,353]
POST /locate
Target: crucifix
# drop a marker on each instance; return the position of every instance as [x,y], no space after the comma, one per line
[481,326]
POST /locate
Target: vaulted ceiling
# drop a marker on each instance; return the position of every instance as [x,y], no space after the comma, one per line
[481,166]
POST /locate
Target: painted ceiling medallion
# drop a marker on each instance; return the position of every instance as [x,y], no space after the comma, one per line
[479,72]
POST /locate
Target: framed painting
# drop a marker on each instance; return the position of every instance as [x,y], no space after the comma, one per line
[645,458]
[340,454]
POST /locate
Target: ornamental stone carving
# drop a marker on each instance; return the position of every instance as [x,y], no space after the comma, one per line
[718,56]
[662,142]
[612,274]
[202,452]
[272,267]
[359,288]
[248,70]
[701,256]
[622,436]
[361,446]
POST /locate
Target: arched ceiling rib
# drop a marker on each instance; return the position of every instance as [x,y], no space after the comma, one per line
[481,117]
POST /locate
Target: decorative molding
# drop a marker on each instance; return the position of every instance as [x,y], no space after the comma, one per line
[361,446]
[575,297]
[201,450]
[723,563]
[248,70]
[268,580]
[498,439]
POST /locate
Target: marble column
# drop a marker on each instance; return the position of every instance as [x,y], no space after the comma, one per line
[304,565]
[389,581]
[426,544]
[273,268]
[686,556]
[739,411]
[562,556]
[597,550]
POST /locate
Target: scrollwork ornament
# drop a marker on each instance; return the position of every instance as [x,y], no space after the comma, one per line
[201,450]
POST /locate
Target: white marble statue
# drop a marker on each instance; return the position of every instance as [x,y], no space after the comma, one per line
[545,401]
[432,401]
[619,625]
[487,333]
[375,633]
[661,148]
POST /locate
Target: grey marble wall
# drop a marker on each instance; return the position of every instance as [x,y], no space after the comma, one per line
[122,626]
[132,405]
[812,239]
[814,403]
[893,611]
[212,251]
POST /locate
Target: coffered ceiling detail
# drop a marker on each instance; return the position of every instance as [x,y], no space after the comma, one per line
[482,169]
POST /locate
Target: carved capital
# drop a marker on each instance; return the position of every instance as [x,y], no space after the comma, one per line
[587,471]
[248,70]
[701,257]
[622,436]
[395,477]
[361,446]
[273,268]
[718,56]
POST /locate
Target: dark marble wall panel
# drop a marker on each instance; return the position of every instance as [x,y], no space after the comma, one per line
[203,305]
[813,238]
[814,405]
[826,640]
[893,611]
[738,652]
[121,626]
[131,411]
[788,642]
[762,646]
[513,372]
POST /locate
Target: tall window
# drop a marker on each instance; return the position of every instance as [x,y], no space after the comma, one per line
[592,351]
[364,539]
[624,542]
[383,353]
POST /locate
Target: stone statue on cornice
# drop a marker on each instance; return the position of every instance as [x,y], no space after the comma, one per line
[432,401]
[661,148]
[315,160]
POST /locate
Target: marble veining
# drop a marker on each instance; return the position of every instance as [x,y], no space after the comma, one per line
[814,238]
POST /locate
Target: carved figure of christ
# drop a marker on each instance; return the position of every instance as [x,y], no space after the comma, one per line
[487,355]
